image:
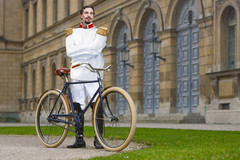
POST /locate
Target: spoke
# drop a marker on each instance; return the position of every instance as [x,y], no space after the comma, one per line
[50,130]
[62,127]
[117,132]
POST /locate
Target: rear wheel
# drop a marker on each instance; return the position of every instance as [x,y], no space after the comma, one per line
[49,129]
[115,131]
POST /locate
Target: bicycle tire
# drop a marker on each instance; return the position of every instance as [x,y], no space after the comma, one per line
[117,133]
[51,133]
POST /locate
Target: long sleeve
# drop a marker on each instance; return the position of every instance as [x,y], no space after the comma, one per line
[84,44]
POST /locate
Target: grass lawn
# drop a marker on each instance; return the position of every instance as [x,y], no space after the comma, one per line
[168,144]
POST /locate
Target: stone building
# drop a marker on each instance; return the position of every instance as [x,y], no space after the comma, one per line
[199,81]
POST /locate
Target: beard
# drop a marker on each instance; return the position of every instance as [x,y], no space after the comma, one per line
[87,22]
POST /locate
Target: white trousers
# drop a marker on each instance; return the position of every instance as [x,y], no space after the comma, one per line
[81,91]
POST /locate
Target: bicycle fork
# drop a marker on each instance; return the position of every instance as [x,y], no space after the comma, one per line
[113,118]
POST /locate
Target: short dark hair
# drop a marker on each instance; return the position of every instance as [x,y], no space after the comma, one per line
[81,11]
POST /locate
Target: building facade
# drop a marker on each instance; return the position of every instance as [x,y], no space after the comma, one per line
[197,38]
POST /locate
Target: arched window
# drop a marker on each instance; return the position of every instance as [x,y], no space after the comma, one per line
[53,76]
[231,38]
[33,83]
[25,85]
[43,79]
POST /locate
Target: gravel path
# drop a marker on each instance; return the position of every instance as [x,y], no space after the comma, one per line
[29,147]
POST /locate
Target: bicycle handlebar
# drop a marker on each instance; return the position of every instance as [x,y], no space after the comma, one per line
[92,69]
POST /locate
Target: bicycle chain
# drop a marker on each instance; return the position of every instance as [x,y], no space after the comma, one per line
[72,123]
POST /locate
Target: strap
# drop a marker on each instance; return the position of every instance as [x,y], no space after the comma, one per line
[68,31]
[102,31]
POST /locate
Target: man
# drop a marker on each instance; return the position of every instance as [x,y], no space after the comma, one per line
[84,45]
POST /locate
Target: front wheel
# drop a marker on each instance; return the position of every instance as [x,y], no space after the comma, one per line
[115,128]
[52,130]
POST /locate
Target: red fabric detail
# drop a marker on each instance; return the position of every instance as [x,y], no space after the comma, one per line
[88,26]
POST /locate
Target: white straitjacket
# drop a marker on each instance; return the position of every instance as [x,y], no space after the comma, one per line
[85,46]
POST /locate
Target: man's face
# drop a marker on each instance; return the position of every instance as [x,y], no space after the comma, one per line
[87,16]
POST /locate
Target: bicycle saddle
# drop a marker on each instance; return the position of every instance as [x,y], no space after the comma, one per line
[61,71]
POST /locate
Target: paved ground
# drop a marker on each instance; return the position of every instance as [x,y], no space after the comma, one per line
[29,147]
[217,127]
[17,147]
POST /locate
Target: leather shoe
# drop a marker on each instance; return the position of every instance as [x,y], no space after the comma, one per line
[97,144]
[79,143]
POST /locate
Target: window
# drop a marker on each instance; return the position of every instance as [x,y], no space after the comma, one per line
[53,76]
[35,17]
[67,4]
[26,22]
[231,39]
[43,79]
[25,85]
[224,106]
[64,62]
[55,11]
[33,83]
[44,20]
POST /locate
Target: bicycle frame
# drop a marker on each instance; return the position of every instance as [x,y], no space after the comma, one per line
[52,117]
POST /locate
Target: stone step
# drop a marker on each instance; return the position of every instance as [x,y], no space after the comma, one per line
[9,117]
[193,118]
[172,118]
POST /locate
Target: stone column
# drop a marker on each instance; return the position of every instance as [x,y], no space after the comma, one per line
[168,71]
[206,49]
[109,78]
[136,73]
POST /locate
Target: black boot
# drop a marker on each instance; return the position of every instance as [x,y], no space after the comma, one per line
[97,144]
[100,127]
[79,142]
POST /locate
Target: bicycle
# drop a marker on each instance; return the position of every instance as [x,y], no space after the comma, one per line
[114,113]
